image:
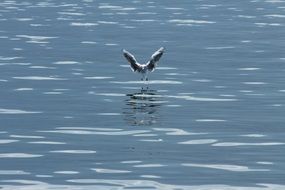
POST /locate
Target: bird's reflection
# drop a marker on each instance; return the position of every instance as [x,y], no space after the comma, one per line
[142,108]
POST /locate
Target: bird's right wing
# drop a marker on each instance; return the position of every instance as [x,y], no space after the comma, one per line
[132,60]
[154,59]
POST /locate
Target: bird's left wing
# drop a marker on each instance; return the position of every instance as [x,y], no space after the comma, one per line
[132,60]
[154,59]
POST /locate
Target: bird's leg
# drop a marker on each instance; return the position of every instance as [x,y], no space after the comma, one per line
[142,86]
[146,83]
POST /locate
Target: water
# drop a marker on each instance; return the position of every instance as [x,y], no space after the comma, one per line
[73,115]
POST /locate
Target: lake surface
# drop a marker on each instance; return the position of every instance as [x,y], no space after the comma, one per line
[74,116]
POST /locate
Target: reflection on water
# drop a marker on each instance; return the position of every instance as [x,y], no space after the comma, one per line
[142,108]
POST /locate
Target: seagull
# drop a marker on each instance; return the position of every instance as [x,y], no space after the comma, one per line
[144,69]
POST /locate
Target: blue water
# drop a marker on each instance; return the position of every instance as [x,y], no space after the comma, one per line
[73,115]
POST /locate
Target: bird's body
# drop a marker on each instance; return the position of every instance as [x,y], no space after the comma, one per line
[144,69]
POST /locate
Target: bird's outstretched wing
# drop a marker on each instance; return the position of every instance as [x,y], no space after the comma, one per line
[132,60]
[154,59]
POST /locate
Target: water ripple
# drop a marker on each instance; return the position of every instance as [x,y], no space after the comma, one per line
[190,21]
[38,78]
[7,141]
[199,141]
[149,82]
[95,131]
[74,151]
[19,155]
[23,89]
[248,144]
[13,172]
[16,111]
[66,172]
[110,94]
[151,176]
[253,135]
[176,131]
[36,39]
[233,168]
[131,162]
[65,63]
[85,24]
[210,120]
[27,137]
[108,114]
[203,99]
[98,77]
[110,171]
[46,142]
[149,165]
[108,184]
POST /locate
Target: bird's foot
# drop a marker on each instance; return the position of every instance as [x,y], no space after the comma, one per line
[146,83]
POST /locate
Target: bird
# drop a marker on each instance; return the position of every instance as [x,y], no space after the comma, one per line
[144,69]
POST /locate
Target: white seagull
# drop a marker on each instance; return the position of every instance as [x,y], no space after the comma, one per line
[144,69]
